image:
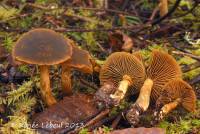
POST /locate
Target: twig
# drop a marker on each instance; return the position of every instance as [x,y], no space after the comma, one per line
[191,10]
[93,121]
[79,8]
[187,54]
[157,21]
[153,14]
[191,67]
[135,27]
[84,82]
[195,80]
[102,122]
[116,121]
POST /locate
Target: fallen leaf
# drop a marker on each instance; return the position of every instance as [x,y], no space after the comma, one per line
[120,42]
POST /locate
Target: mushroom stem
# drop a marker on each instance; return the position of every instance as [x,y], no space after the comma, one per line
[170,106]
[163,6]
[122,89]
[66,79]
[45,86]
[144,97]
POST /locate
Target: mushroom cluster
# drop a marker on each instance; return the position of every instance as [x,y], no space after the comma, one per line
[45,47]
[127,72]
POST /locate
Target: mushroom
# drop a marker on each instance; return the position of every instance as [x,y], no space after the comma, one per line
[176,92]
[161,70]
[42,47]
[125,71]
[80,60]
[163,7]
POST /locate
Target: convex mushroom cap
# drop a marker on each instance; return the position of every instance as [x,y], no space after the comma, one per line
[178,89]
[42,47]
[80,60]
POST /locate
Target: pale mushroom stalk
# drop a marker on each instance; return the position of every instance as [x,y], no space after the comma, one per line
[176,92]
[45,85]
[145,92]
[170,106]
[66,79]
[163,6]
[122,89]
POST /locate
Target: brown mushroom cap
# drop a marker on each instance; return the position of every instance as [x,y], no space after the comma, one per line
[80,60]
[43,47]
[178,88]
[120,64]
[161,70]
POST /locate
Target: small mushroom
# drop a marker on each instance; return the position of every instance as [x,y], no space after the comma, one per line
[42,47]
[125,71]
[176,92]
[161,70]
[80,60]
[163,7]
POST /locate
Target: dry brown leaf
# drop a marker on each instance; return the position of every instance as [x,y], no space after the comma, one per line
[120,42]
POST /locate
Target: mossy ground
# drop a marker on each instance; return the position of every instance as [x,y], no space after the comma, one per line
[21,100]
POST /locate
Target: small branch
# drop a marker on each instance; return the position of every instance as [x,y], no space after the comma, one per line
[191,10]
[157,21]
[79,8]
[191,67]
[135,27]
[93,121]
[195,80]
[86,83]
[187,54]
[116,121]
[153,14]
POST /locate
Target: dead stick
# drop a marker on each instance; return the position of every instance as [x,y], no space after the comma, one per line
[79,8]
[116,121]
[190,67]
[187,54]
[84,82]
[93,121]
[135,27]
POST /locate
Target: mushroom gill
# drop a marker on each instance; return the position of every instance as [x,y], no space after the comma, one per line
[162,69]
[125,71]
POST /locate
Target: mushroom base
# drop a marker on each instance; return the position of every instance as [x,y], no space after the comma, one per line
[167,108]
[121,90]
[141,104]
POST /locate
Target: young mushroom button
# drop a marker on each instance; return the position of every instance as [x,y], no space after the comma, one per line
[42,47]
[161,70]
[80,60]
[176,92]
[125,71]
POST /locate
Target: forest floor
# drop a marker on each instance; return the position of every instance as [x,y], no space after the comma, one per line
[101,28]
